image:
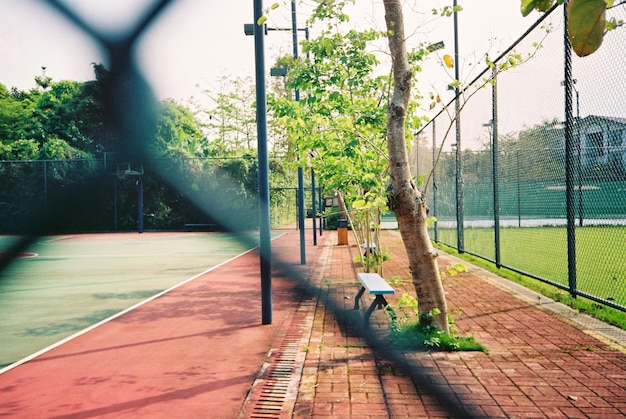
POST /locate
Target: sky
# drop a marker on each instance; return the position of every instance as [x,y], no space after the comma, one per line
[195,42]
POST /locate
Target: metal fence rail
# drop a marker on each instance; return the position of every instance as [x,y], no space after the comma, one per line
[542,178]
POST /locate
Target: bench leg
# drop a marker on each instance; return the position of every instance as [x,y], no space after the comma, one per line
[379,302]
[358,296]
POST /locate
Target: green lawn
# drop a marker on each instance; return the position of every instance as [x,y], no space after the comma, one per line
[542,251]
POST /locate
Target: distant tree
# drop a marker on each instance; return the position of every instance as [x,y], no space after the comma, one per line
[16,114]
[178,133]
[230,122]
[58,149]
[19,150]
[536,153]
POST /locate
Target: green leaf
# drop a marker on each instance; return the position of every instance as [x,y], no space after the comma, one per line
[528,6]
[586,24]
[359,203]
[261,20]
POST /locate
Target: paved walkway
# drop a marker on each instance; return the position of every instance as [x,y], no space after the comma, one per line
[200,351]
[541,364]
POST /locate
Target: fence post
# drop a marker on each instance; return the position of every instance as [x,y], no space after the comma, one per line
[460,235]
[140,205]
[495,165]
[45,183]
[570,164]
[435,227]
[313,208]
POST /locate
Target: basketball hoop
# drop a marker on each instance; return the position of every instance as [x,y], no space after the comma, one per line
[123,171]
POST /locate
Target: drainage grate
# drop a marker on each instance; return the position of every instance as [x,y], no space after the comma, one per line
[273,393]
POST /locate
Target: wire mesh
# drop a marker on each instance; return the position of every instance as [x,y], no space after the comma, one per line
[130,111]
[130,114]
[560,208]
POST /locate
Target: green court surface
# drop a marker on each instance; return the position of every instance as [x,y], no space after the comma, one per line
[72,282]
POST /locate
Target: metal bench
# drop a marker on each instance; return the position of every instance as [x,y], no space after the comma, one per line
[369,248]
[377,286]
[199,227]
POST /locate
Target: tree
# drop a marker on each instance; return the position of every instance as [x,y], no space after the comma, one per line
[231,122]
[337,128]
[586,28]
[16,109]
[178,133]
[352,129]
[408,203]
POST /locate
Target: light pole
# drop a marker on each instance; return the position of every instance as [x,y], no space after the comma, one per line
[294,33]
[264,189]
[249,30]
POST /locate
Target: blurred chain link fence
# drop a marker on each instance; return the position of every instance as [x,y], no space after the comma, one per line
[133,191]
[130,112]
[541,184]
[531,176]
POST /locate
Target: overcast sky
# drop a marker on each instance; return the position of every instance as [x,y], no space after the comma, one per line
[196,41]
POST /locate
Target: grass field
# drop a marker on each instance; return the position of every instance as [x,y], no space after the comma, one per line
[542,252]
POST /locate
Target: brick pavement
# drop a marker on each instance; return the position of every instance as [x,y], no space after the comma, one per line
[539,364]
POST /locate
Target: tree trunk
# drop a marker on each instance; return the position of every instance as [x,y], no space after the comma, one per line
[406,201]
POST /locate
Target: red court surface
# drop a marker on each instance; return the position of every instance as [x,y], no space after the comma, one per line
[193,352]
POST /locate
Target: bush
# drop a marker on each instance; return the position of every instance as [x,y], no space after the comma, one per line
[332,219]
[408,333]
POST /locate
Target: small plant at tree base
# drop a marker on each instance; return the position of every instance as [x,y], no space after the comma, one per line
[408,332]
[396,280]
[375,260]
[452,270]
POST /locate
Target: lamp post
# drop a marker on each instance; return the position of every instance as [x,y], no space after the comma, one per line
[264,209]
[249,30]
[294,32]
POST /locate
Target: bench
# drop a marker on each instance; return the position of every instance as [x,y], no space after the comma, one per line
[199,227]
[377,286]
[369,248]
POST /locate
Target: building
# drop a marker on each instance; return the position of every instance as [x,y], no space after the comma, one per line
[602,144]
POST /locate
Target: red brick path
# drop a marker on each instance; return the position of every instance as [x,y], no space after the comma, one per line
[538,365]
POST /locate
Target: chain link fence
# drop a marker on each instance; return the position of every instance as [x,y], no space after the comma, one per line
[535,179]
[132,196]
[129,107]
